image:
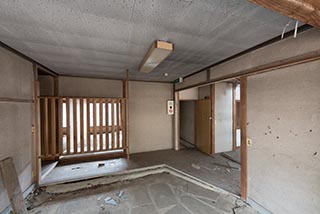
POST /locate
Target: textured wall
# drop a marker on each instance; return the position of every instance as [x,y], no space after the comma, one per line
[284,125]
[150,128]
[89,87]
[187,121]
[223,117]
[16,118]
[46,83]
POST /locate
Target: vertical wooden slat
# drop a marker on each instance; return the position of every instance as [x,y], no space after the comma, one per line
[118,123]
[68,124]
[112,125]
[95,125]
[107,124]
[88,143]
[234,123]
[81,127]
[75,127]
[46,127]
[101,125]
[243,124]
[123,122]
[60,122]
[53,126]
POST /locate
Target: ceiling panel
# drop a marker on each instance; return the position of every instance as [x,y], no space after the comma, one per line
[103,38]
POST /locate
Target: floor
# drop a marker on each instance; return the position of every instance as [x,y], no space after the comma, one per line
[155,194]
[216,170]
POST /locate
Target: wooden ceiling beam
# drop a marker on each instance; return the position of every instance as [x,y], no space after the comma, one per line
[307,11]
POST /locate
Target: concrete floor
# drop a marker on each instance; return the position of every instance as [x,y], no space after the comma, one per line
[215,170]
[161,193]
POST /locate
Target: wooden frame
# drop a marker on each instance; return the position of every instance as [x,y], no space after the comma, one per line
[213,118]
[243,124]
[54,132]
[234,122]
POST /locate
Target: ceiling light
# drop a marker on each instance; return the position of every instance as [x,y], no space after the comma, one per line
[158,52]
[166,74]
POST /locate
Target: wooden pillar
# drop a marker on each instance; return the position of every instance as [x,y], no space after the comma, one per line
[213,118]
[176,122]
[243,125]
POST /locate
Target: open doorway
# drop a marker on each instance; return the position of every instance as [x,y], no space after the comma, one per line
[210,123]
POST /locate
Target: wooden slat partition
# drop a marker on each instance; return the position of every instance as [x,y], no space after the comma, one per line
[72,125]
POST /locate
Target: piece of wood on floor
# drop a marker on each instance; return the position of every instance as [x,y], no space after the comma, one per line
[11,182]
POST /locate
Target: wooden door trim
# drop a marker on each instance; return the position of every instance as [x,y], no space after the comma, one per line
[213,118]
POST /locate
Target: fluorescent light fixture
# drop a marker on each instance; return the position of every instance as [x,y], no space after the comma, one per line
[158,52]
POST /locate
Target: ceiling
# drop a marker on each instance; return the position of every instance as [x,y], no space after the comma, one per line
[103,38]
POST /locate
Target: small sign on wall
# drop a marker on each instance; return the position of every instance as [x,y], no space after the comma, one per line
[170,107]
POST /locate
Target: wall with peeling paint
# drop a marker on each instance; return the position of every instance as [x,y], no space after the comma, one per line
[284,125]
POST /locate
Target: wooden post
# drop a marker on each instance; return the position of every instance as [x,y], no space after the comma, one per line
[46,128]
[243,121]
[60,122]
[53,126]
[213,118]
[37,133]
[234,118]
[101,125]
[118,123]
[112,124]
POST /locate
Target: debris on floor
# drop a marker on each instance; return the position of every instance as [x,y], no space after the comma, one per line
[156,193]
[101,165]
[111,201]
[195,166]
[77,167]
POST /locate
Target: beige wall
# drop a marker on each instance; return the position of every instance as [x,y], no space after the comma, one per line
[89,87]
[150,128]
[46,83]
[188,94]
[16,118]
[284,125]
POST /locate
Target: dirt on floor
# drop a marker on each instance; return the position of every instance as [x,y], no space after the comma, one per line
[159,193]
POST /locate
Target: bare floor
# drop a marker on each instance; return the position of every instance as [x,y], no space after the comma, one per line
[216,170]
[160,193]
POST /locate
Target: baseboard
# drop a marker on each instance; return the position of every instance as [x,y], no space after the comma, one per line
[258,207]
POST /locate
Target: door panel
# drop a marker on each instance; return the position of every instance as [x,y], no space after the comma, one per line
[203,125]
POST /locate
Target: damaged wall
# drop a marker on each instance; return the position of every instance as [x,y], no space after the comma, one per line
[223,117]
[16,118]
[89,87]
[187,121]
[150,128]
[284,125]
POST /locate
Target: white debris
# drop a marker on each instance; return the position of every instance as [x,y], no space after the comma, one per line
[111,201]
[120,194]
[195,166]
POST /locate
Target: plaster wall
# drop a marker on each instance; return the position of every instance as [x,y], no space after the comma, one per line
[89,87]
[189,94]
[46,83]
[284,125]
[16,118]
[223,117]
[150,128]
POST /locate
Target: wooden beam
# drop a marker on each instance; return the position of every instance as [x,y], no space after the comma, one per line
[75,127]
[53,126]
[37,132]
[100,125]
[118,123]
[112,125]
[95,125]
[107,123]
[46,128]
[60,122]
[243,121]
[307,11]
[11,182]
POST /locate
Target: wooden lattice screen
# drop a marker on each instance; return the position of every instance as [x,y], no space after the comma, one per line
[72,125]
